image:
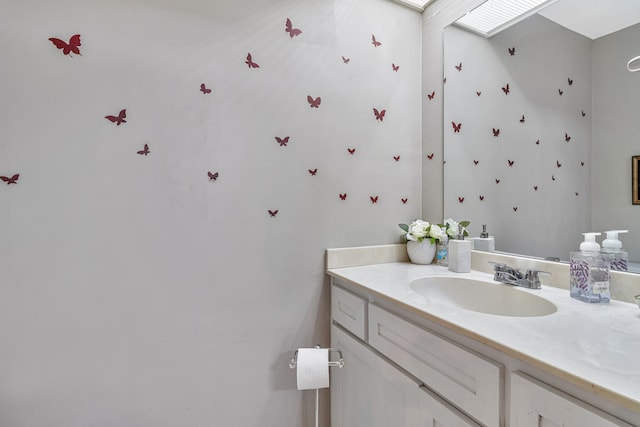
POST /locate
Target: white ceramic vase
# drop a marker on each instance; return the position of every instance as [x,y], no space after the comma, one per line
[421,252]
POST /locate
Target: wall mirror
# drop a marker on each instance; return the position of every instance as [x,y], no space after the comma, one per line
[541,121]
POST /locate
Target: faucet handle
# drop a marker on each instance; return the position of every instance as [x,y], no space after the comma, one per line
[533,277]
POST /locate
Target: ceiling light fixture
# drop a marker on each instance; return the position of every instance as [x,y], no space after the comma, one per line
[493,16]
[418,5]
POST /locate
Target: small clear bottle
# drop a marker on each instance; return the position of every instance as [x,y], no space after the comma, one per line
[613,247]
[589,272]
[441,251]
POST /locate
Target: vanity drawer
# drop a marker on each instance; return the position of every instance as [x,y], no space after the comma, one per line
[534,404]
[349,310]
[457,374]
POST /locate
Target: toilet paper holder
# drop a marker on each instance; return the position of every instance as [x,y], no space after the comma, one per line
[339,363]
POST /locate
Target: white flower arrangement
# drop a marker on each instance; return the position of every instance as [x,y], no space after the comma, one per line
[419,230]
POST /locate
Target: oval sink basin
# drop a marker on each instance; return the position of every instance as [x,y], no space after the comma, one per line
[483,297]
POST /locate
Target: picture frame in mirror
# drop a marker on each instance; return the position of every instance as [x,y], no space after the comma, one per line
[635,182]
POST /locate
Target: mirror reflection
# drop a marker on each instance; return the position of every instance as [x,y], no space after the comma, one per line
[541,122]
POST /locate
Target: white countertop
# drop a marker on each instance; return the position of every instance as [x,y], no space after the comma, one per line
[595,346]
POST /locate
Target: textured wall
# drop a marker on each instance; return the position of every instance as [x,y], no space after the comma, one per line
[166,285]
[517,135]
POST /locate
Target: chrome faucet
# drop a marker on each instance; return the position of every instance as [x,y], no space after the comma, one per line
[512,276]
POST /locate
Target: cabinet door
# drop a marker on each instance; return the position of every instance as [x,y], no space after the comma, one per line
[433,411]
[368,391]
[535,404]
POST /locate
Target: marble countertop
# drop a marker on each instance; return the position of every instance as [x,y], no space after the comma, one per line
[595,346]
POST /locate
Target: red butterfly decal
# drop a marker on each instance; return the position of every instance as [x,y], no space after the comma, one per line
[537,142]
[313,103]
[558,164]
[497,181]
[395,67]
[567,138]
[570,81]
[313,172]
[496,132]
[581,163]
[204,89]
[212,176]
[351,150]
[478,93]
[343,196]
[404,201]
[481,198]
[577,193]
[375,42]
[512,51]
[292,31]
[458,67]
[475,162]
[553,177]
[515,209]
[67,48]
[444,81]
[12,180]
[456,127]
[522,119]
[250,62]
[583,113]
[396,158]
[560,92]
[430,156]
[506,89]
[511,162]
[374,199]
[144,151]
[431,95]
[273,213]
[346,60]
[535,187]
[119,119]
[282,141]
[379,114]
[461,199]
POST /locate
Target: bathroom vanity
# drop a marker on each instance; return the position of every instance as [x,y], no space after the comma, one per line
[420,351]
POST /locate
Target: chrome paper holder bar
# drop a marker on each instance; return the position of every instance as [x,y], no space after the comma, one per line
[339,363]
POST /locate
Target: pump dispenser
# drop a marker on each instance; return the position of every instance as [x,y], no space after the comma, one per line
[613,247]
[589,272]
[460,253]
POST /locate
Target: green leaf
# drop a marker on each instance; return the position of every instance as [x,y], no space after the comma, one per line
[464,223]
[405,227]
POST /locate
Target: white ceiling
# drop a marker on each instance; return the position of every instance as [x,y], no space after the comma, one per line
[594,18]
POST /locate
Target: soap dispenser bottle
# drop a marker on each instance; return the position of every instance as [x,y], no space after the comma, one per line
[460,253]
[589,272]
[611,246]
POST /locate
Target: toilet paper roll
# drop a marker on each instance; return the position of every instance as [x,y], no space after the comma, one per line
[313,368]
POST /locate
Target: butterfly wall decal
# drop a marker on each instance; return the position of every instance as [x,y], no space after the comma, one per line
[313,172]
[478,93]
[496,132]
[515,209]
[10,180]
[213,176]
[379,114]
[145,151]
[461,199]
[68,48]
[351,150]
[292,31]
[273,213]
[430,156]
[512,50]
[404,201]
[511,162]
[560,92]
[567,138]
[481,197]
[250,63]
[282,141]
[395,67]
[506,89]
[374,199]
[475,162]
[343,196]
[119,119]
[346,60]
[522,119]
[535,188]
[537,142]
[431,95]
[581,163]
[570,81]
[204,89]
[396,158]
[456,127]
[313,103]
[375,42]
[583,113]
[497,181]
[558,164]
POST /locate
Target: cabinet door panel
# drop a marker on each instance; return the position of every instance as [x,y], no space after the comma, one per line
[348,310]
[435,412]
[368,391]
[535,404]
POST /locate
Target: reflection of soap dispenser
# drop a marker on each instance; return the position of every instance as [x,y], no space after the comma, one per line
[485,242]
[613,247]
[460,253]
[589,272]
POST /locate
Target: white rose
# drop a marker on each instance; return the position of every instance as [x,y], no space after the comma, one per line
[417,230]
[435,231]
[452,227]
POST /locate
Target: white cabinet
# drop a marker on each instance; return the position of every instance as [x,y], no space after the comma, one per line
[368,391]
[535,404]
[433,411]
